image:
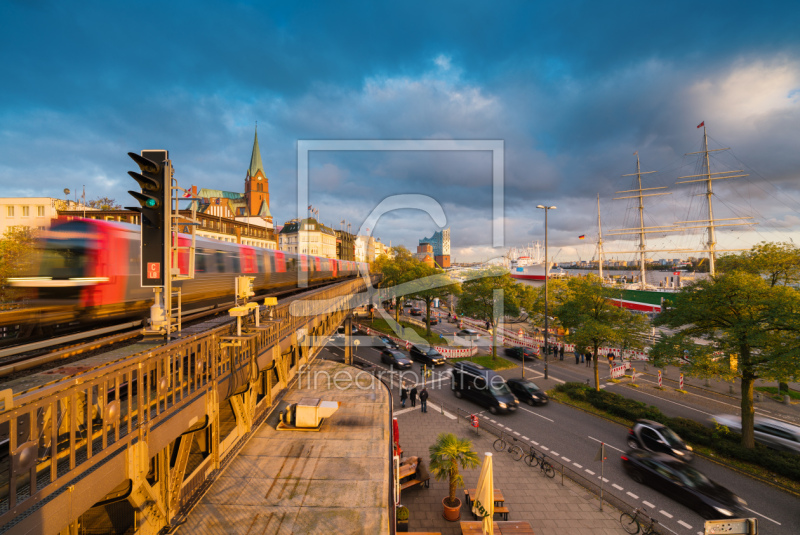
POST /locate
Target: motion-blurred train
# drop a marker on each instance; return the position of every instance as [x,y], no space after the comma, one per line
[88,271]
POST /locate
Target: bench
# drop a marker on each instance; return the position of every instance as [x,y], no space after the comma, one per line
[502,511]
[412,482]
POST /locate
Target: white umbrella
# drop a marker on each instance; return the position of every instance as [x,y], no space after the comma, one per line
[483,506]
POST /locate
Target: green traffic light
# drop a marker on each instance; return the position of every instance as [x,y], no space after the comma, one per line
[151,203]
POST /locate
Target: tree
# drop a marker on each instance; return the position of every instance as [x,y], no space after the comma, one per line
[587,310]
[778,263]
[431,283]
[752,327]
[104,203]
[532,299]
[449,453]
[16,247]
[489,297]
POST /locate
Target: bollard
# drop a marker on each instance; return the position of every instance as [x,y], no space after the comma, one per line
[757,397]
[787,399]
[730,388]
[708,382]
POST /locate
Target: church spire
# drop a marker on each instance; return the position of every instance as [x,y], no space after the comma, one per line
[255,159]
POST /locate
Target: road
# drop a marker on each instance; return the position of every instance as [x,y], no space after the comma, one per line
[572,437]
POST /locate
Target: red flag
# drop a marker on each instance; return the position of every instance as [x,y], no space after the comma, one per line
[701,124]
[188,192]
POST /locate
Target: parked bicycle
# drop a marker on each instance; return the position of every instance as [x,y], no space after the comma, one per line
[503,444]
[532,458]
[545,466]
[636,522]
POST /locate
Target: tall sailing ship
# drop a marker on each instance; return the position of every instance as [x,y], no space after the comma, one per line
[645,297]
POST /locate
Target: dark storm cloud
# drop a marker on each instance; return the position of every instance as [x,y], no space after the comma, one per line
[573,89]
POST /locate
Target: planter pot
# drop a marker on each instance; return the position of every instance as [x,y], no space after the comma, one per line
[453,514]
[402,526]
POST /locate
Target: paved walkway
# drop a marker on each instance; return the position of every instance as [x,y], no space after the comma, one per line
[550,508]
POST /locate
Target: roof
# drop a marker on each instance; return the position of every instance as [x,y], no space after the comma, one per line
[292,226]
[255,159]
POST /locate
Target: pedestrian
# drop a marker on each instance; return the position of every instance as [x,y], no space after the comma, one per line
[583,357]
[588,359]
[577,356]
[610,359]
[413,395]
[561,353]
[423,399]
[403,395]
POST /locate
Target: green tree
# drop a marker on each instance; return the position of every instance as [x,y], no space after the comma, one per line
[489,297]
[429,284]
[449,453]
[104,203]
[16,248]
[752,327]
[778,263]
[587,310]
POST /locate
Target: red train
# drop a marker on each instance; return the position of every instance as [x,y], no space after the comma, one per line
[89,270]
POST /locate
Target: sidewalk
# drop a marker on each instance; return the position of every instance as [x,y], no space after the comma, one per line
[551,509]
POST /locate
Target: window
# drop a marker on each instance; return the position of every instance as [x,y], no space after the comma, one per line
[10,212]
[40,211]
[26,211]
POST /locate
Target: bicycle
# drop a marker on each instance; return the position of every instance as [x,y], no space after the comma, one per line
[546,467]
[501,444]
[531,459]
[632,524]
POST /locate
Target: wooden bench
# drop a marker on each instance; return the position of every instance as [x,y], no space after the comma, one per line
[412,482]
[502,511]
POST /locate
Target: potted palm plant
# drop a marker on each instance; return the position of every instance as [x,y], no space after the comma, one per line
[449,453]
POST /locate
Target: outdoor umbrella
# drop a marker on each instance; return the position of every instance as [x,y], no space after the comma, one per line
[483,506]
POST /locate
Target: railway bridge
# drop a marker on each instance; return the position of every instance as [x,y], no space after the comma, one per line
[127,441]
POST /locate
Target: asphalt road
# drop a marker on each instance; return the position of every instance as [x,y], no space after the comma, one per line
[573,437]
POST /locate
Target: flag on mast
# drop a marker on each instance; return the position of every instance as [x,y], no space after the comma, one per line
[582,236]
[701,124]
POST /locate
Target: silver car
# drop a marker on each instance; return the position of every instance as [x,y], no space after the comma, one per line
[772,433]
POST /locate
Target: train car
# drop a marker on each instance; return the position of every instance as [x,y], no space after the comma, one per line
[91,268]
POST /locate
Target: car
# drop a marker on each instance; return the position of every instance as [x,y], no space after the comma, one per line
[658,438]
[416,311]
[341,330]
[408,304]
[684,484]
[527,391]
[434,320]
[384,342]
[426,355]
[518,352]
[483,386]
[772,433]
[468,333]
[395,358]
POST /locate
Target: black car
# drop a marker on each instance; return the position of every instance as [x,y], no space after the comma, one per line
[416,311]
[518,352]
[684,484]
[527,392]
[658,438]
[383,342]
[395,358]
[468,333]
[426,355]
[434,320]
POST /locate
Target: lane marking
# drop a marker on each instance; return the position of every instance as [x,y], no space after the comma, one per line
[537,414]
[684,524]
[525,438]
[567,460]
[675,403]
[759,514]
[632,495]
[648,504]
[604,479]
[607,444]
[666,514]
[554,453]
[617,486]
[545,448]
[535,443]
[589,472]
[517,434]
[578,465]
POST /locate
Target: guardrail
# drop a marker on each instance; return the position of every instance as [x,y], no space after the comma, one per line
[79,438]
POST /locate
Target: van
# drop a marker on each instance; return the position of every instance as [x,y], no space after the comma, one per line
[483,386]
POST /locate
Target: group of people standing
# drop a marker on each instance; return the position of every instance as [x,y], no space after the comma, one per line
[412,394]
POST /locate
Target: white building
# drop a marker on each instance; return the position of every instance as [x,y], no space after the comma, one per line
[307,236]
[34,212]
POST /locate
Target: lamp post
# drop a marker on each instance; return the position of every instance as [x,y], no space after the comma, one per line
[546,276]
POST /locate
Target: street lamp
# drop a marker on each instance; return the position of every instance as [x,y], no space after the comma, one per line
[546,276]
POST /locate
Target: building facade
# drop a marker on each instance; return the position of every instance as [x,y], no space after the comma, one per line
[440,243]
[307,236]
[345,245]
[33,212]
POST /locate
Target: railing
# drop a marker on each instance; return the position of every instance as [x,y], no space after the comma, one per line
[60,432]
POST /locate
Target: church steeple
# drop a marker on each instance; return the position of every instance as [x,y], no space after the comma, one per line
[256,185]
[255,159]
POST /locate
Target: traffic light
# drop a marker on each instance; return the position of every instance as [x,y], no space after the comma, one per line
[155,181]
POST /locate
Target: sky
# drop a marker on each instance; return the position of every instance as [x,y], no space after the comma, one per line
[572,89]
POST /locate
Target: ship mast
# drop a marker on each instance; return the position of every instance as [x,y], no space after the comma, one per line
[640,196]
[599,238]
[707,177]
